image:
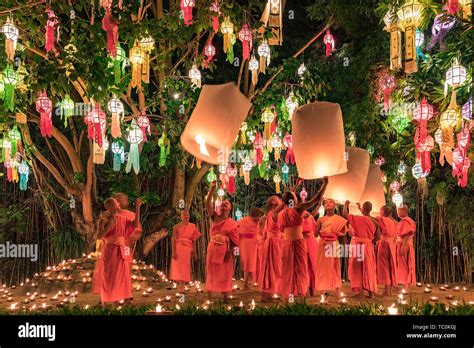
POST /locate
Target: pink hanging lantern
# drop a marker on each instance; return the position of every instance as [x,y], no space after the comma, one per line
[423,151]
[288,142]
[379,160]
[245,35]
[461,165]
[51,24]
[96,121]
[464,140]
[209,52]
[303,194]
[144,123]
[187,8]
[394,186]
[231,173]
[110,25]
[215,12]
[452,6]
[329,42]
[258,144]
[386,84]
[422,114]
[44,106]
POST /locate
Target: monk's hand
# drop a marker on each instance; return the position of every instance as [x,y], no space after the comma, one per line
[346,203]
[138,202]
[300,181]
[325,180]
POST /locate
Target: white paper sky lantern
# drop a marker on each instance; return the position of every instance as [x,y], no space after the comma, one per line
[373,191]
[318,140]
[215,122]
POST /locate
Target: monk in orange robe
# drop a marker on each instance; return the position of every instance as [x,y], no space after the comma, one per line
[294,277]
[248,227]
[309,228]
[224,237]
[183,244]
[113,274]
[328,264]
[406,271]
[124,203]
[260,242]
[270,275]
[386,251]
[362,267]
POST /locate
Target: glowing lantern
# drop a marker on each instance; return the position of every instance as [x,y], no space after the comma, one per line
[10,80]
[96,124]
[115,107]
[11,37]
[464,140]
[395,40]
[231,173]
[6,150]
[222,168]
[302,71]
[466,7]
[291,104]
[118,151]
[66,108]
[394,186]
[423,150]
[110,25]
[277,181]
[15,137]
[253,67]
[397,199]
[419,40]
[285,170]
[220,193]
[195,76]
[402,168]
[318,140]
[328,40]
[422,114]
[276,145]
[442,24]
[409,17]
[51,24]
[211,176]
[303,194]
[246,169]
[24,171]
[164,144]
[215,10]
[238,214]
[455,76]
[273,16]
[44,106]
[134,137]
[258,144]
[144,123]
[288,143]
[264,54]
[379,161]
[386,83]
[370,149]
[209,52]
[461,165]
[373,190]
[140,66]
[267,117]
[399,119]
[215,121]
[417,171]
[448,121]
[350,186]
[245,35]
[187,10]
[227,29]
[119,63]
[467,110]
[146,43]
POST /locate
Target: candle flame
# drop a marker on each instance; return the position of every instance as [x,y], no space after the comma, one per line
[201,141]
[159,308]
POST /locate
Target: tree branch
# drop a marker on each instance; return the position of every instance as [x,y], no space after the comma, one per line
[191,186]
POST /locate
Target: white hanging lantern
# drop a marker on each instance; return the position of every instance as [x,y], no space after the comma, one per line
[291,104]
[195,76]
[455,76]
[397,199]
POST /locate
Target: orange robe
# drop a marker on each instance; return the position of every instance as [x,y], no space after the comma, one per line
[270,276]
[112,276]
[220,256]
[362,273]
[309,227]
[406,269]
[185,236]
[260,242]
[387,252]
[248,227]
[294,275]
[328,267]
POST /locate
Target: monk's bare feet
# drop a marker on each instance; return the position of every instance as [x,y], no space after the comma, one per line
[371,295]
[385,293]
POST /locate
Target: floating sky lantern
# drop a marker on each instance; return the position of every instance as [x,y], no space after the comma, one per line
[195,76]
[134,137]
[245,36]
[373,191]
[118,151]
[11,37]
[44,106]
[330,43]
[318,140]
[10,80]
[291,104]
[264,53]
[442,24]
[215,121]
[253,67]
[409,18]
[209,52]
[187,11]
[116,108]
[350,186]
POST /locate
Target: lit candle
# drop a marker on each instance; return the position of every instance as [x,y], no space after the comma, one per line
[449,297]
[392,310]
[427,290]
[456,288]
[241,304]
[149,290]
[252,305]
[323,299]
[442,288]
[168,298]
[419,285]
[87,306]
[145,294]
[464,288]
[159,308]
[434,298]
[404,292]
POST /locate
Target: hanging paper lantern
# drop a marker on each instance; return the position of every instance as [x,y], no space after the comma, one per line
[227,29]
[222,167]
[51,24]
[66,108]
[379,161]
[220,193]
[422,114]
[318,140]
[417,171]
[288,143]
[423,149]
[146,43]
[238,214]
[397,199]
[95,121]
[455,76]
[464,140]
[466,8]
[276,145]
[448,121]
[144,123]
[247,168]
[215,121]
[164,144]
[116,108]
[391,26]
[215,13]
[6,150]
[303,194]
[253,67]
[10,80]
[373,191]
[118,152]
[302,70]
[209,52]
[350,186]
[24,171]
[409,17]
[267,117]
[419,40]
[44,106]
[187,10]
[258,144]
[277,181]
[195,76]
[211,176]
[119,62]
[386,83]
[292,104]
[394,186]
[243,130]
[264,53]
[329,42]
[110,25]
[370,149]
[467,109]
[402,168]
[274,14]
[15,137]
[442,24]
[11,37]
[245,35]
[138,59]
[231,173]
[399,119]
[285,170]
[461,165]
[134,137]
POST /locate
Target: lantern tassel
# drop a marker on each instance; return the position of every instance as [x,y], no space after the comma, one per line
[9,96]
[23,182]
[117,162]
[116,131]
[133,159]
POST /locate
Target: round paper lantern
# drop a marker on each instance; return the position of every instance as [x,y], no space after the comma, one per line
[115,106]
[318,140]
[397,199]
[374,190]
[137,56]
[350,186]
[215,122]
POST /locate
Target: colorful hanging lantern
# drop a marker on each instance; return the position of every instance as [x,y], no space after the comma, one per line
[6,150]
[119,62]
[466,8]
[15,139]
[231,173]
[449,119]
[329,42]
[442,24]
[44,106]
[423,151]
[10,80]
[409,17]
[215,13]
[134,137]
[455,76]
[302,70]
[422,114]
[209,52]
[118,151]
[164,144]
[195,76]
[24,171]
[238,214]
[402,168]
[274,13]
[11,37]
[391,26]
[99,151]
[397,199]
[277,181]
[292,104]
[452,6]
[258,145]
[96,121]
[461,165]
[110,25]
[417,171]
[243,130]
[419,40]
[303,194]
[264,53]
[394,186]
[116,108]
[246,169]
[276,146]
[144,123]
[267,118]
[253,67]
[211,176]
[245,35]
[399,119]
[464,140]
[187,10]
[227,29]
[137,59]
[288,143]
[379,161]
[66,108]
[467,109]
[51,24]
[386,83]
[285,170]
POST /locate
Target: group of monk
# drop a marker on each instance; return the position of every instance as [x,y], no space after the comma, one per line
[282,248]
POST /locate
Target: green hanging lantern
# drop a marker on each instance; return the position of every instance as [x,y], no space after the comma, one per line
[14,136]
[370,149]
[399,120]
[164,144]
[2,87]
[10,80]
[119,63]
[230,51]
[211,176]
[66,108]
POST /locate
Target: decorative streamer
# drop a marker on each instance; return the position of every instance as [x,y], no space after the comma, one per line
[96,124]
[51,24]
[116,108]
[135,137]
[187,9]
[110,25]
[245,35]
[442,24]
[10,80]
[164,144]
[44,106]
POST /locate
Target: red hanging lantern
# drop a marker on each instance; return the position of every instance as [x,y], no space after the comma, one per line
[329,42]
[464,140]
[453,6]
[422,114]
[216,12]
[231,173]
[110,25]
[209,52]
[144,123]
[245,35]
[423,150]
[288,142]
[44,106]
[51,24]
[386,83]
[258,144]
[187,8]
[461,165]
[96,121]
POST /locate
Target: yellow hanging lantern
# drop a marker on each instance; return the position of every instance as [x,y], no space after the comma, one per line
[466,8]
[227,29]
[243,130]
[275,21]
[138,59]
[277,181]
[146,44]
[395,41]
[276,145]
[267,118]
[409,17]
[448,122]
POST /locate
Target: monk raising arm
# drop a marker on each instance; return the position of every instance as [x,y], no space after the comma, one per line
[316,209]
[315,200]
[137,224]
[210,208]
